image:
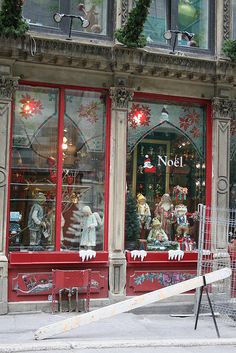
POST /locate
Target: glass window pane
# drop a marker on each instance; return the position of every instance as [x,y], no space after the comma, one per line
[156,22]
[33,170]
[83,171]
[234,19]
[165,175]
[193,17]
[40,12]
[93,10]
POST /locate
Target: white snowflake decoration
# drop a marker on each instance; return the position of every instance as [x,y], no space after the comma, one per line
[175,255]
[139,254]
[87,254]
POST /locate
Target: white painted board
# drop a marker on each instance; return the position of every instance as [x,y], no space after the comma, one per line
[129,304]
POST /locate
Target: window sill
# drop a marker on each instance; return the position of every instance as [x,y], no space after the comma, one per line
[51,258]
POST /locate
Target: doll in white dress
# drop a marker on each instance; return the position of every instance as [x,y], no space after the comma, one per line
[88,238]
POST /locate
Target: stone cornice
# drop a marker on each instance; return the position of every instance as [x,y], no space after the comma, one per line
[108,57]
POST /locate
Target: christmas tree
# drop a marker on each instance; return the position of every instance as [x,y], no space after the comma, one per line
[11,20]
[131,34]
[132,224]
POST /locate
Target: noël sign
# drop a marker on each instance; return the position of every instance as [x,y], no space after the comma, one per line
[177,162]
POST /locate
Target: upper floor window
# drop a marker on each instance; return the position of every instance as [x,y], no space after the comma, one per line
[39,14]
[193,16]
[233,19]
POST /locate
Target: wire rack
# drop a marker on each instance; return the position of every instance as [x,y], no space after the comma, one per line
[217,249]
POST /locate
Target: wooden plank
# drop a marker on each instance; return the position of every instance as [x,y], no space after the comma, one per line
[129,304]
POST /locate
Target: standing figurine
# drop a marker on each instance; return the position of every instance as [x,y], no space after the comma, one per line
[165,213]
[144,214]
[36,223]
[88,238]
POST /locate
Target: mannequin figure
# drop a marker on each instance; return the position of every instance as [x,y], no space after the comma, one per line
[164,212]
[144,214]
[36,223]
[88,238]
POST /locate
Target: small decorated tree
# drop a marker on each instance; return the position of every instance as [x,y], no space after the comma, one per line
[11,20]
[132,225]
[131,34]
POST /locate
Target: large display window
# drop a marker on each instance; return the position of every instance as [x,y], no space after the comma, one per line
[166,179]
[57,170]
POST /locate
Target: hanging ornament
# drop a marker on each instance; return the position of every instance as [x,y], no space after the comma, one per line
[29,106]
[139,115]
[70,181]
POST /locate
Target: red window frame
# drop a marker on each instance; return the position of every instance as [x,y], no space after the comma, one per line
[207,106]
[57,256]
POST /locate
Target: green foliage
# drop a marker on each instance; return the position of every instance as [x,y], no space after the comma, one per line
[132,225]
[11,21]
[131,34]
[229,49]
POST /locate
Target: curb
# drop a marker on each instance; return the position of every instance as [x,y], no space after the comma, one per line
[58,345]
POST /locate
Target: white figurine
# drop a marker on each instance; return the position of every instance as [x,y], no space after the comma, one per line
[88,238]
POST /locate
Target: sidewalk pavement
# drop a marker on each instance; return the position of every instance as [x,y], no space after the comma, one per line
[124,330]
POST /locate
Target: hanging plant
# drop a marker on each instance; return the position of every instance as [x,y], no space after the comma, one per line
[11,20]
[229,49]
[131,34]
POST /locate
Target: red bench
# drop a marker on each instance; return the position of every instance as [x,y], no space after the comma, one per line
[71,282]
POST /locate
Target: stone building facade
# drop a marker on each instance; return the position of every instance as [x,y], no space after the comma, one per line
[125,76]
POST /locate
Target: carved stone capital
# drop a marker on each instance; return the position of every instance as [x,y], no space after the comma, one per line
[223,107]
[7,86]
[121,96]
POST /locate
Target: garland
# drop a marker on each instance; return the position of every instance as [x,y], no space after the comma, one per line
[11,20]
[131,34]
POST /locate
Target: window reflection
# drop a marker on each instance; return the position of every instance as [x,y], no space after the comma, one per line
[83,171]
[34,168]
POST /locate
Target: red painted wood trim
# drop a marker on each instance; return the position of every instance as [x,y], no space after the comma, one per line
[161,257]
[155,96]
[107,170]
[61,99]
[9,177]
[208,154]
[56,85]
[52,258]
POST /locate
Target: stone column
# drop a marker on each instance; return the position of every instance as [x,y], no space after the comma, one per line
[7,86]
[117,263]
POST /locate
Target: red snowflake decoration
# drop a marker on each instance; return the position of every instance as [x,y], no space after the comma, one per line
[139,115]
[29,106]
[184,123]
[195,131]
[89,111]
[193,117]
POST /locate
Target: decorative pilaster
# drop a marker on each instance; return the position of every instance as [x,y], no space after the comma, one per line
[227,10]
[117,272]
[222,112]
[7,87]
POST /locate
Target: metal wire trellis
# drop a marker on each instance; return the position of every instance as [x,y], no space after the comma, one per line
[217,249]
